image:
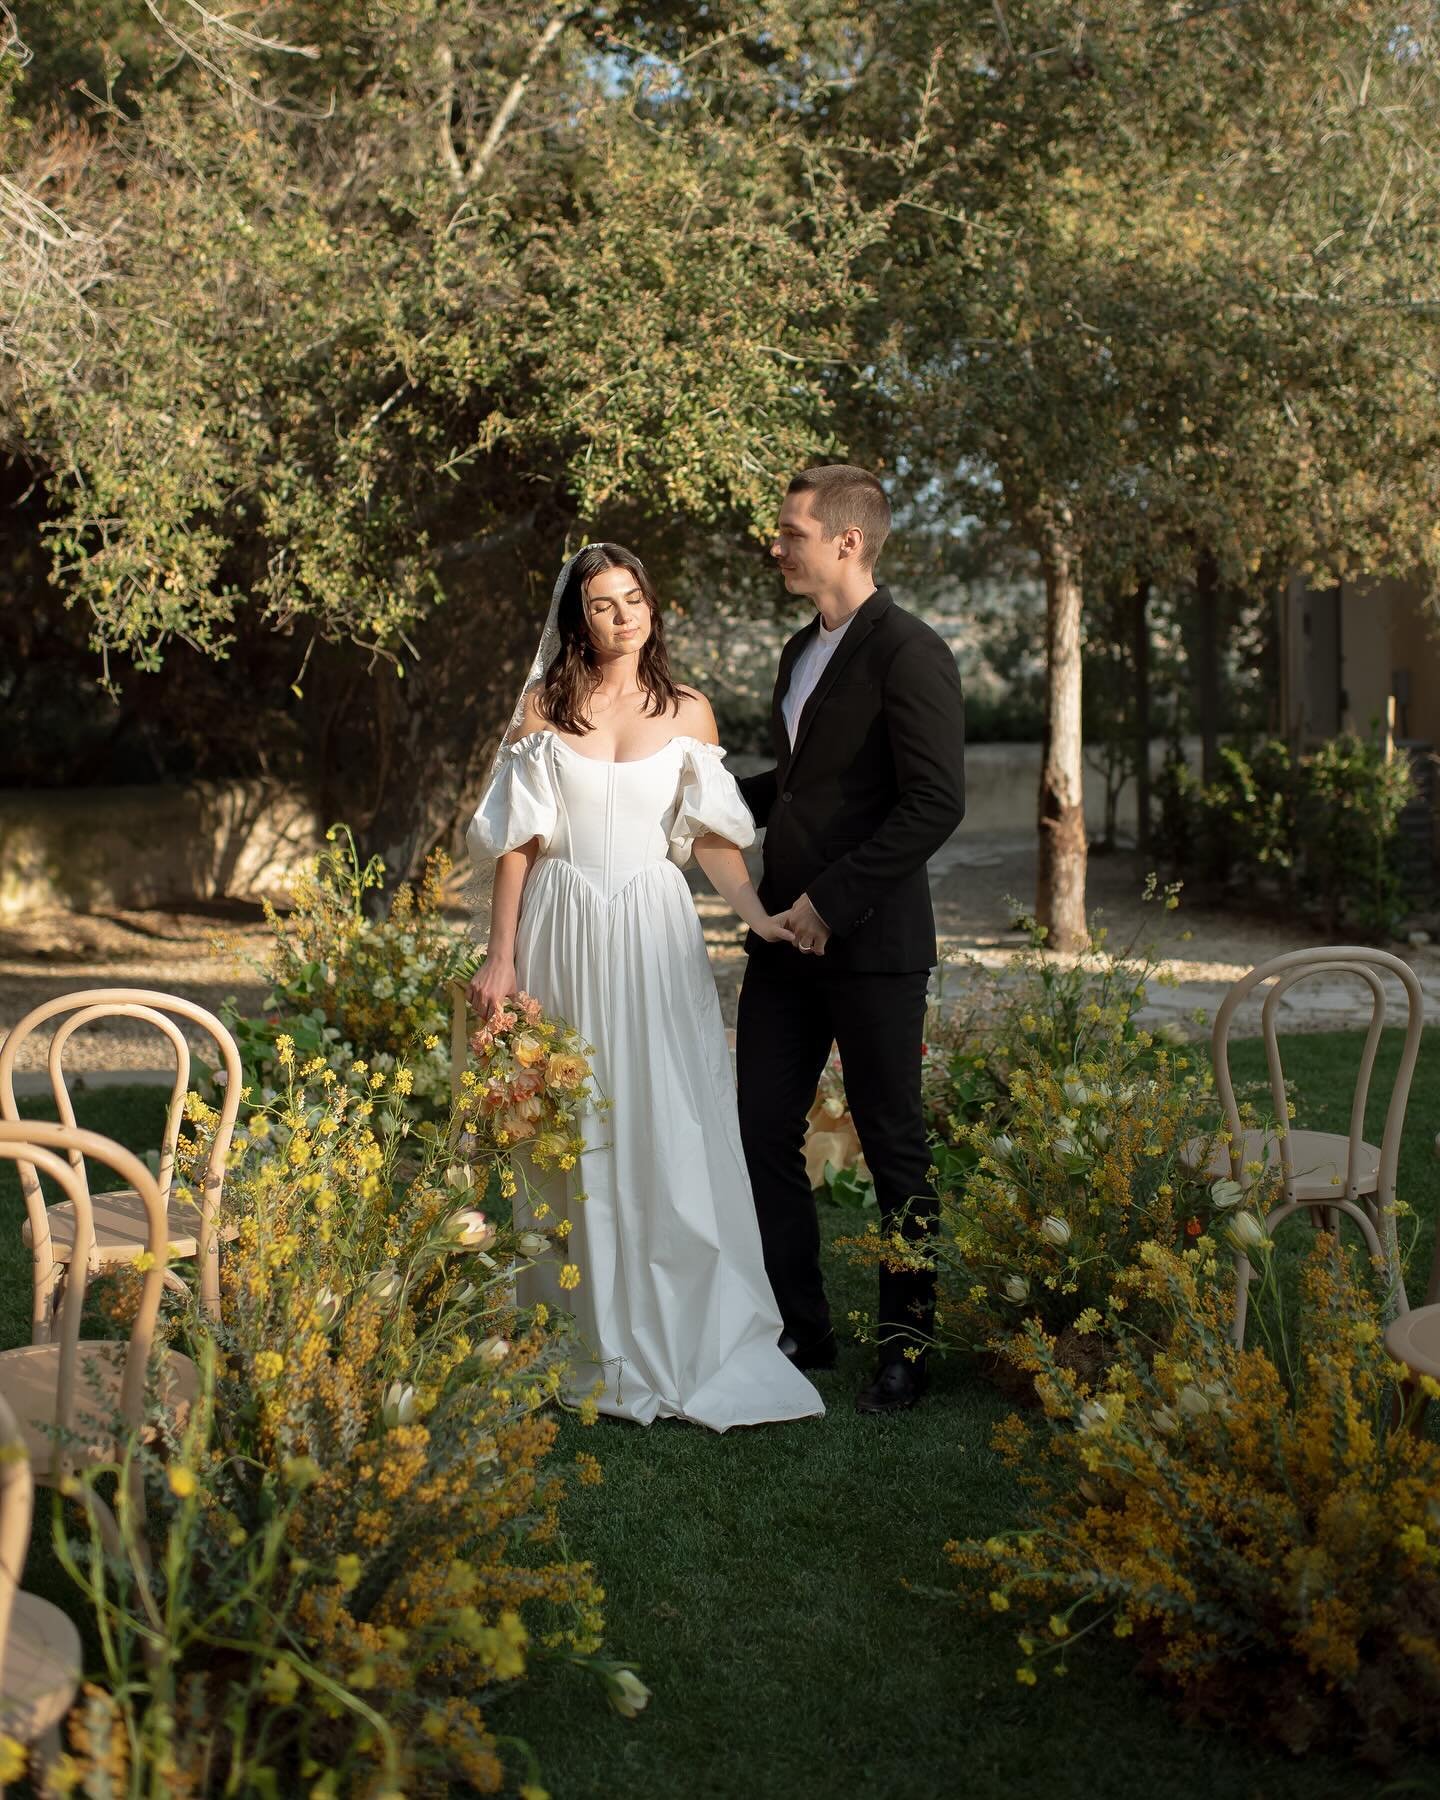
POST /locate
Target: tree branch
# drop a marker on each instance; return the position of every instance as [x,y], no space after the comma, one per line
[483,157]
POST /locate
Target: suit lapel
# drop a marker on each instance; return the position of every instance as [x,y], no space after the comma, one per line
[859,628]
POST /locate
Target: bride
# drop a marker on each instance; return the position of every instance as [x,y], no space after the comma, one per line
[610,778]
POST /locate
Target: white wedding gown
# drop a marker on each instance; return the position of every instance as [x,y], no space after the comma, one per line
[673,1308]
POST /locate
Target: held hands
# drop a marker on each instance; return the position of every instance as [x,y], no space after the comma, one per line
[492,985]
[808,931]
[772,929]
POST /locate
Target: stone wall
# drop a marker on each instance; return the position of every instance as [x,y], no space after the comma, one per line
[93,848]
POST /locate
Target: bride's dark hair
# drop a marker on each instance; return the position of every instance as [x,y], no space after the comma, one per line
[572,676]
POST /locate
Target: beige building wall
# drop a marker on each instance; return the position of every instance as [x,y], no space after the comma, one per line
[1366,608]
[1415,648]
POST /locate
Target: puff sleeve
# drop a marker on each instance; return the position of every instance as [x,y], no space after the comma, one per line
[518,805]
[709,801]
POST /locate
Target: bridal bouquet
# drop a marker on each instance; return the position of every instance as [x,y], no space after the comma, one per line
[532,1081]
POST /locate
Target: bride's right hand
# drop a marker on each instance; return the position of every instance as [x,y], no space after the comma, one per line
[773,931]
[492,984]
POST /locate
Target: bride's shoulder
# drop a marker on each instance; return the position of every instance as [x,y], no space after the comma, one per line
[695,717]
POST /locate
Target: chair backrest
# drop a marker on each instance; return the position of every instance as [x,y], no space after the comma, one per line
[17,1500]
[1368,965]
[160,1010]
[47,1149]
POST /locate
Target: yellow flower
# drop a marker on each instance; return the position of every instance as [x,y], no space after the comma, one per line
[570,1277]
[1412,1540]
[13,1759]
[1059,1626]
[281,1682]
[268,1364]
[1026,1676]
[182,1481]
[347,1572]
[998,1601]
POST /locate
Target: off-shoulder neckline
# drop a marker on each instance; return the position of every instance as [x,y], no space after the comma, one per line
[610,762]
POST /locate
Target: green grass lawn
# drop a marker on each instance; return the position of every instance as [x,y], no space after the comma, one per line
[758,1580]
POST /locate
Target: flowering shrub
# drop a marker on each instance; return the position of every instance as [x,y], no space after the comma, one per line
[1092,1165]
[344,985]
[1065,1135]
[1039,1013]
[1265,1533]
[353,1533]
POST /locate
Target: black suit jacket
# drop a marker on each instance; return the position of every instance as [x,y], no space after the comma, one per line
[873,787]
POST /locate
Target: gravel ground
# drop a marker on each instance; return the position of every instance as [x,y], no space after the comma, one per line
[201,952]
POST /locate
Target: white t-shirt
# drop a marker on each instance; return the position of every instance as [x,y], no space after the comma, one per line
[805,677]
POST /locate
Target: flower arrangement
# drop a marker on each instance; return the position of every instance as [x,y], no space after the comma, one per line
[353,1536]
[834,1159]
[1266,1533]
[344,985]
[1040,1012]
[1095,1161]
[531,1085]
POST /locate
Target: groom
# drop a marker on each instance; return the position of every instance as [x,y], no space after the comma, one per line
[868,727]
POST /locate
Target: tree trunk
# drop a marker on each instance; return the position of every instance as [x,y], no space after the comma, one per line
[1060,880]
[1207,661]
[1140,657]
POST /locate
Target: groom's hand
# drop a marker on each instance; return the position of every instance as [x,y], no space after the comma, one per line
[811,932]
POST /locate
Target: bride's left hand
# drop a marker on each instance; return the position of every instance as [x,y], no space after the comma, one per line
[775,930]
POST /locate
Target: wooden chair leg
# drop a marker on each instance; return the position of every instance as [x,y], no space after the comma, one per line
[49,1291]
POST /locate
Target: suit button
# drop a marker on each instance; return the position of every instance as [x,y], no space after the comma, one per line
[787,796]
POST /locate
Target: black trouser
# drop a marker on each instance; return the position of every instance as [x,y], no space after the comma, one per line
[792,1009]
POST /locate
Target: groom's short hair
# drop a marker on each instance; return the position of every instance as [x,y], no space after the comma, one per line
[845,496]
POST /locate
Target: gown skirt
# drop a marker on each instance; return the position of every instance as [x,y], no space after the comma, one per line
[674,1313]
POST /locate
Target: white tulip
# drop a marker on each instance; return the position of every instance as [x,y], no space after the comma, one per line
[398,1406]
[1165,1421]
[1246,1231]
[532,1243]
[471,1230]
[1002,1147]
[384,1285]
[494,1349]
[328,1304]
[628,1694]
[1016,1288]
[461,1176]
[1054,1230]
[1225,1194]
[1092,1415]
[1194,1403]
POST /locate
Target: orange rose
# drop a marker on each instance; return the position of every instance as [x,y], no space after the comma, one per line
[566,1071]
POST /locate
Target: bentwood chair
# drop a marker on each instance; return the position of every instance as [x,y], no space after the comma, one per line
[40,1657]
[194,1228]
[1325,1174]
[76,1400]
[1413,1339]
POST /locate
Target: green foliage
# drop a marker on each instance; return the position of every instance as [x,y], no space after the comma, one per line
[1321,828]
[345,985]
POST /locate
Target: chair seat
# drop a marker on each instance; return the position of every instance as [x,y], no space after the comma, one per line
[1414,1339]
[1320,1159]
[30,1374]
[122,1231]
[41,1670]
